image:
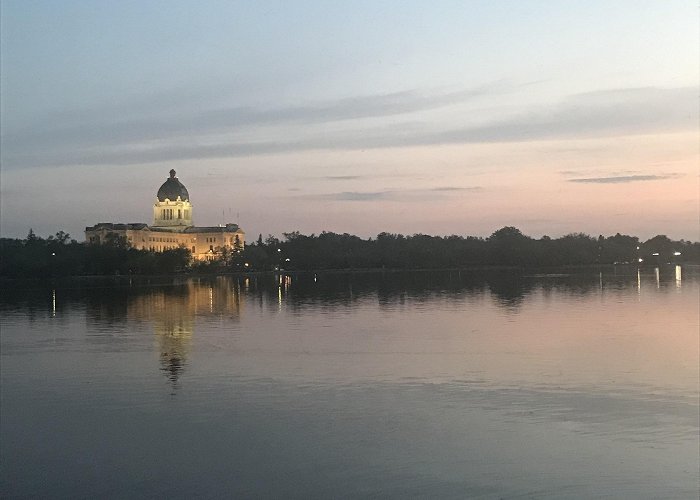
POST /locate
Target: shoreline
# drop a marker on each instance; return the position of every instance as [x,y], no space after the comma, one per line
[162,279]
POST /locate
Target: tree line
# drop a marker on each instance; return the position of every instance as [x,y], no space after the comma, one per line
[59,255]
[507,246]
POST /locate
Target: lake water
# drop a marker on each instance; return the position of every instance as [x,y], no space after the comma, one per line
[495,384]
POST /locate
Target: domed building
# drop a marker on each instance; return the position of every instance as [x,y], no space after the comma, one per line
[172,227]
[172,208]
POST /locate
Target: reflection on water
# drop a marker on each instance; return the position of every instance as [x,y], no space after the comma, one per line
[172,316]
[639,282]
[171,311]
[451,384]
[657,275]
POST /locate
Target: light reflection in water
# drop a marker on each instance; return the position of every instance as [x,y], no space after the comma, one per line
[53,303]
[639,282]
[284,282]
[173,313]
[678,276]
[656,275]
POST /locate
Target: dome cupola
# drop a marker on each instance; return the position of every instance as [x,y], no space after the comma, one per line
[172,189]
[172,210]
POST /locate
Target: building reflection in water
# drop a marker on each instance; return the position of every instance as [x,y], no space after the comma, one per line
[174,312]
[284,281]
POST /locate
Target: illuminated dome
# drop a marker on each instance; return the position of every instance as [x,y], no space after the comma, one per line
[172,188]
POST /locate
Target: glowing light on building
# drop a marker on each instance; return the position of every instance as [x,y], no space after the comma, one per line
[172,228]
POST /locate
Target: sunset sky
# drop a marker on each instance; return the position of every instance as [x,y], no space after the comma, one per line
[443,117]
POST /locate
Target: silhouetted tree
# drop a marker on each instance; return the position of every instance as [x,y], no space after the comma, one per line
[58,255]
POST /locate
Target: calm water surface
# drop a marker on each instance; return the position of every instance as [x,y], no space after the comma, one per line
[440,385]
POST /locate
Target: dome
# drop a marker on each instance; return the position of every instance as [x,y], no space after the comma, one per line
[172,188]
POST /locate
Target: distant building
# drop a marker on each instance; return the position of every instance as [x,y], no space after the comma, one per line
[172,227]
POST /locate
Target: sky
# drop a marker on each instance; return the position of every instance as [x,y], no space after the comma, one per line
[442,117]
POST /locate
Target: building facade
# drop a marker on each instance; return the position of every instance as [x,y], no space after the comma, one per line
[172,228]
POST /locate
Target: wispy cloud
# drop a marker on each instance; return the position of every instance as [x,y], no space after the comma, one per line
[360,196]
[404,195]
[622,179]
[343,177]
[605,113]
[614,112]
[454,188]
[85,130]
